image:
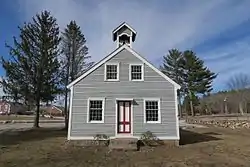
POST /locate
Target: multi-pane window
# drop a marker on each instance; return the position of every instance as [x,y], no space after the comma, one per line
[96,110]
[152,113]
[111,72]
[136,72]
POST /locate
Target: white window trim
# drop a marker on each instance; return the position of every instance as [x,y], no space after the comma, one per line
[105,72]
[103,107]
[142,71]
[159,110]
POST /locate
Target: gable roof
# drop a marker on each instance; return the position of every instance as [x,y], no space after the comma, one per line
[115,52]
[119,27]
[124,24]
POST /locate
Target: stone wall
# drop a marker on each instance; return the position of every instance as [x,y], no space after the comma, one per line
[233,124]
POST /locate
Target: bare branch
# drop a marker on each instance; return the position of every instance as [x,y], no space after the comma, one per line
[239,81]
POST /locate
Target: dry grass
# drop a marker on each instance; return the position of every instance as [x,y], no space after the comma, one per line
[207,147]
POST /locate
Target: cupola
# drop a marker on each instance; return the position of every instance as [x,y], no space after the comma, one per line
[124,34]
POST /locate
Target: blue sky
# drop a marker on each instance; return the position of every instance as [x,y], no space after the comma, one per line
[217,30]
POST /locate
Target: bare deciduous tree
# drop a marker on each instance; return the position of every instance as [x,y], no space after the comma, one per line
[238,83]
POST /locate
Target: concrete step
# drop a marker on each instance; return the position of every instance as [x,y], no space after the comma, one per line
[123,144]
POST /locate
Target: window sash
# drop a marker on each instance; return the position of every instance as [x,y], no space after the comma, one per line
[152,115]
[95,115]
[136,72]
[152,111]
[111,72]
[95,111]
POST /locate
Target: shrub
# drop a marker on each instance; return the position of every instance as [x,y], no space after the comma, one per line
[146,136]
[149,139]
[102,138]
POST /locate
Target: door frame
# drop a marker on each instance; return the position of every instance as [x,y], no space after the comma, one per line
[121,135]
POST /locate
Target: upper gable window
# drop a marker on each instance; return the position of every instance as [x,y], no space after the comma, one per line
[136,72]
[112,72]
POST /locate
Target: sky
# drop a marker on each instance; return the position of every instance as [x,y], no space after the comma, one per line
[218,31]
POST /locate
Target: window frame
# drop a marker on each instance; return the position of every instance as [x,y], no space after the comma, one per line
[142,72]
[118,72]
[159,110]
[88,109]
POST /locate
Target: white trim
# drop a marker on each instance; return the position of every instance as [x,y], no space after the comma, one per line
[103,108]
[142,71]
[159,110]
[115,53]
[116,116]
[82,138]
[176,114]
[115,137]
[119,136]
[124,33]
[130,39]
[168,137]
[116,119]
[125,135]
[117,68]
[123,24]
[117,44]
[70,111]
[132,118]
[124,99]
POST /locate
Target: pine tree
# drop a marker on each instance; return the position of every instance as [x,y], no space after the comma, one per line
[33,63]
[12,90]
[172,67]
[75,56]
[197,77]
[189,71]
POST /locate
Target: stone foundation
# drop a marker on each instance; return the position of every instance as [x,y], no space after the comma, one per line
[85,143]
[123,144]
[171,143]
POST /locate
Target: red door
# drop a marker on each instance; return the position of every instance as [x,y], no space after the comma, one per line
[124,117]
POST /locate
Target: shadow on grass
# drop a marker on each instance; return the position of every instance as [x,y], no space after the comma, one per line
[17,137]
[190,137]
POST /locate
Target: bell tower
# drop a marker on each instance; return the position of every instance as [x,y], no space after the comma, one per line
[124,35]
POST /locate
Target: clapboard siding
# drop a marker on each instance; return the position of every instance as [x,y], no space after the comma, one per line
[153,86]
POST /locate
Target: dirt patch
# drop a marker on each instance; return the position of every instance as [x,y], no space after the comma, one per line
[200,147]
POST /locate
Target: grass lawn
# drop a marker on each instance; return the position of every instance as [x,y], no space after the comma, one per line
[204,147]
[21,117]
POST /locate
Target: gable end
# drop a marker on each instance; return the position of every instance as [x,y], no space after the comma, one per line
[103,61]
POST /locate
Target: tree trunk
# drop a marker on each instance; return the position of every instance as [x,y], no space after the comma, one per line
[191,103]
[186,110]
[36,121]
[66,114]
[241,108]
[66,120]
[179,106]
[191,108]
[226,108]
[38,98]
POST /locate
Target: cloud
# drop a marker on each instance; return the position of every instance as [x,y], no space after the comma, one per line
[160,26]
